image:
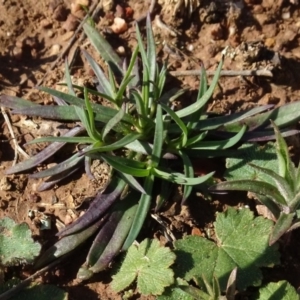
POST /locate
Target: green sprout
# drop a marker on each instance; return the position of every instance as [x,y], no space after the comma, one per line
[282,197]
[141,136]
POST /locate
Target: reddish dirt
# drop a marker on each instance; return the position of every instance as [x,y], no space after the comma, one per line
[259,34]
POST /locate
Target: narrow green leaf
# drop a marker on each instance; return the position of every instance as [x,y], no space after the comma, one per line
[180,178]
[141,213]
[274,207]
[103,113]
[223,144]
[196,139]
[158,138]
[195,117]
[282,185]
[188,172]
[116,164]
[151,57]
[258,187]
[43,155]
[178,121]
[105,83]
[122,89]
[95,134]
[131,181]
[225,121]
[128,208]
[104,49]
[282,225]
[16,102]
[286,167]
[63,139]
[49,112]
[123,142]
[69,79]
[199,104]
[283,116]
[139,103]
[59,168]
[84,118]
[113,122]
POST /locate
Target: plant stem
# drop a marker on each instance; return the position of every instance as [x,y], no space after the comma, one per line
[265,73]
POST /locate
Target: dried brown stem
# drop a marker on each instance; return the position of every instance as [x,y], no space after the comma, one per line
[265,73]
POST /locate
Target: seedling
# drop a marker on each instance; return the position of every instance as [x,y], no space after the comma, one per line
[281,196]
[137,136]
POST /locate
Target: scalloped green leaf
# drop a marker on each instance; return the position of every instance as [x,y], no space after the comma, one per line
[242,241]
[175,292]
[16,243]
[149,264]
[278,291]
[264,157]
[35,292]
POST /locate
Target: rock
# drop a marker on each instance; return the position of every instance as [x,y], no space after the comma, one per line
[17,53]
[50,34]
[121,50]
[60,13]
[71,23]
[119,25]
[55,49]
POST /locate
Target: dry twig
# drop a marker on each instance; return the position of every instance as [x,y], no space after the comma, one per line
[265,73]
[17,149]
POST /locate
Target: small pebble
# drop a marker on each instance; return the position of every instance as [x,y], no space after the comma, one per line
[17,53]
[55,49]
[120,50]
[119,25]
[50,34]
[20,43]
[190,47]
[286,15]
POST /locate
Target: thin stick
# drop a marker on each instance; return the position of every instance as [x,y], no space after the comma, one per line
[265,73]
[17,147]
[25,283]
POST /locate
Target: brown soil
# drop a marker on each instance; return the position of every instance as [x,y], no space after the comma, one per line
[259,34]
